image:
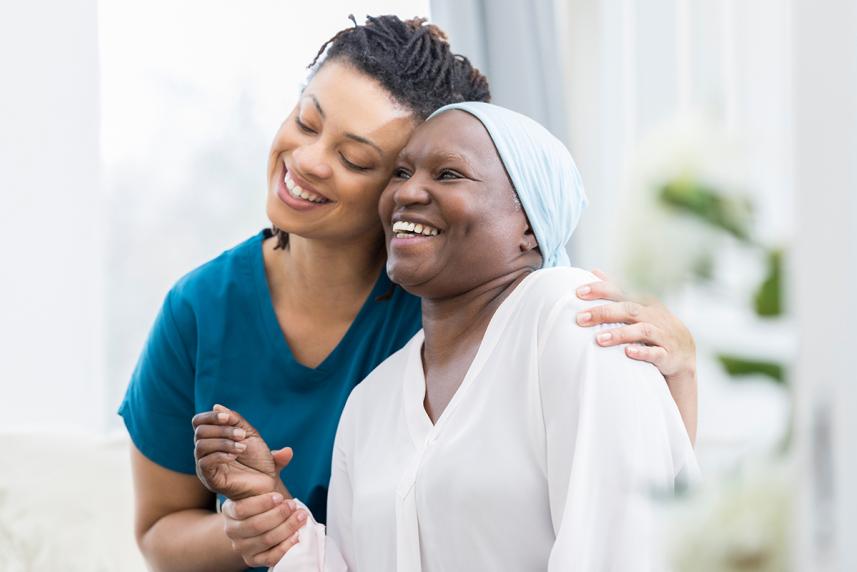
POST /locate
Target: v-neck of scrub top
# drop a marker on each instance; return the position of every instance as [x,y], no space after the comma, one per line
[424,433]
[278,338]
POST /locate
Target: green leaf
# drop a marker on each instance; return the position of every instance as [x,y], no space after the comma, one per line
[723,212]
[738,367]
[768,298]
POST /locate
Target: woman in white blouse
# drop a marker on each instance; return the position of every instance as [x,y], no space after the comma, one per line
[500,437]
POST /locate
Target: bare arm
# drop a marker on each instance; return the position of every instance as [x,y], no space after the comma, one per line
[666,341]
[176,529]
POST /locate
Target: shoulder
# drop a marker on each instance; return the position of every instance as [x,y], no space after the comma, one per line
[227,268]
[387,378]
[552,290]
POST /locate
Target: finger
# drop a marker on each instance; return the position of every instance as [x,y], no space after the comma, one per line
[259,524]
[204,447]
[639,333]
[601,274]
[614,313]
[271,557]
[219,432]
[282,457]
[655,355]
[604,290]
[235,418]
[251,506]
[262,544]
[214,418]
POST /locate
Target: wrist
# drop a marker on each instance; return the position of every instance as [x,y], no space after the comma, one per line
[682,378]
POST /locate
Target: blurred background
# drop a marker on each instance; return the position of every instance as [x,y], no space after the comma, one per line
[717,141]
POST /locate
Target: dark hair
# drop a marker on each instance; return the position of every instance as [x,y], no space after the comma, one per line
[411,59]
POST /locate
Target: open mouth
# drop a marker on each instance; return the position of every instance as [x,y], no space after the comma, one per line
[299,193]
[410,229]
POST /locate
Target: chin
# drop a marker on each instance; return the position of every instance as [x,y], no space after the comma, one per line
[405,275]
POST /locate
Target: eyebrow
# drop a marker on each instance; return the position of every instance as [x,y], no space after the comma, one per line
[351,136]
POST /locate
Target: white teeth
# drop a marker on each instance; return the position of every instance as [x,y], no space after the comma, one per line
[404,229]
[296,191]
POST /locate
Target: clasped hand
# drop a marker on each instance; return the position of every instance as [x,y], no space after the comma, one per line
[233,460]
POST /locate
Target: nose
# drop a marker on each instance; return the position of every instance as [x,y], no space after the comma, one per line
[310,160]
[412,192]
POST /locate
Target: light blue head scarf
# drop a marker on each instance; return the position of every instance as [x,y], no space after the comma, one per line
[542,171]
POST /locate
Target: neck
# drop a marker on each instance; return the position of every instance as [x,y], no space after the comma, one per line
[325,276]
[450,323]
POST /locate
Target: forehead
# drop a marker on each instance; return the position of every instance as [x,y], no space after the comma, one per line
[454,132]
[354,102]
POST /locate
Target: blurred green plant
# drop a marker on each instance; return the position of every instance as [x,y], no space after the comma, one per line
[768,298]
[733,215]
[739,367]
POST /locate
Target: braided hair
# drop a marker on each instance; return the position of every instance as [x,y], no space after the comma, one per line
[411,59]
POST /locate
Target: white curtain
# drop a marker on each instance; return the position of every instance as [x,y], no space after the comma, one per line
[514,43]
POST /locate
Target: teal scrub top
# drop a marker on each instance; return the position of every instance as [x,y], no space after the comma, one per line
[217,340]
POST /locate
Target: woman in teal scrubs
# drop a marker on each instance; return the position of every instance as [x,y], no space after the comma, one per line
[284,325]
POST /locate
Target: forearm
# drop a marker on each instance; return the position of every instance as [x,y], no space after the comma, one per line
[190,540]
[683,389]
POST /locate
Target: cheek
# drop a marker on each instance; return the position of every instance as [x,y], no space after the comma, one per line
[360,192]
[385,202]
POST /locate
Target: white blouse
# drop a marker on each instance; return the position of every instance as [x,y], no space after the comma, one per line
[545,458]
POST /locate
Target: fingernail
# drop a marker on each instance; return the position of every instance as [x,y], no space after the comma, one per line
[240,446]
[301,516]
[584,317]
[292,505]
[633,350]
[277,498]
[239,433]
[223,417]
[583,290]
[605,337]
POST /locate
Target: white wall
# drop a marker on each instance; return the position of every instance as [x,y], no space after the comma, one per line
[825,273]
[51,346]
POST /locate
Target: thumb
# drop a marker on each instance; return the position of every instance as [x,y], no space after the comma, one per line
[282,457]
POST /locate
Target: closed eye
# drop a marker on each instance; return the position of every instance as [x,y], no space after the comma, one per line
[303,126]
[353,166]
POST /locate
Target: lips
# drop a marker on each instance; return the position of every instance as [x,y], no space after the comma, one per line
[295,193]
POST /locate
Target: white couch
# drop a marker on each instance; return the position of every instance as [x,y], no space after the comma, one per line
[66,505]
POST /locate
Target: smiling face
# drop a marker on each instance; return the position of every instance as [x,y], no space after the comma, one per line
[449,212]
[333,155]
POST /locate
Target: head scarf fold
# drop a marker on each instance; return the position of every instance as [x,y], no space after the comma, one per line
[543,174]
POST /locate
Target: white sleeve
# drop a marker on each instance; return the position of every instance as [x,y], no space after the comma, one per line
[612,437]
[315,551]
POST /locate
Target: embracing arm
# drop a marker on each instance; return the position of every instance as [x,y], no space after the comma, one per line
[655,335]
[175,527]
